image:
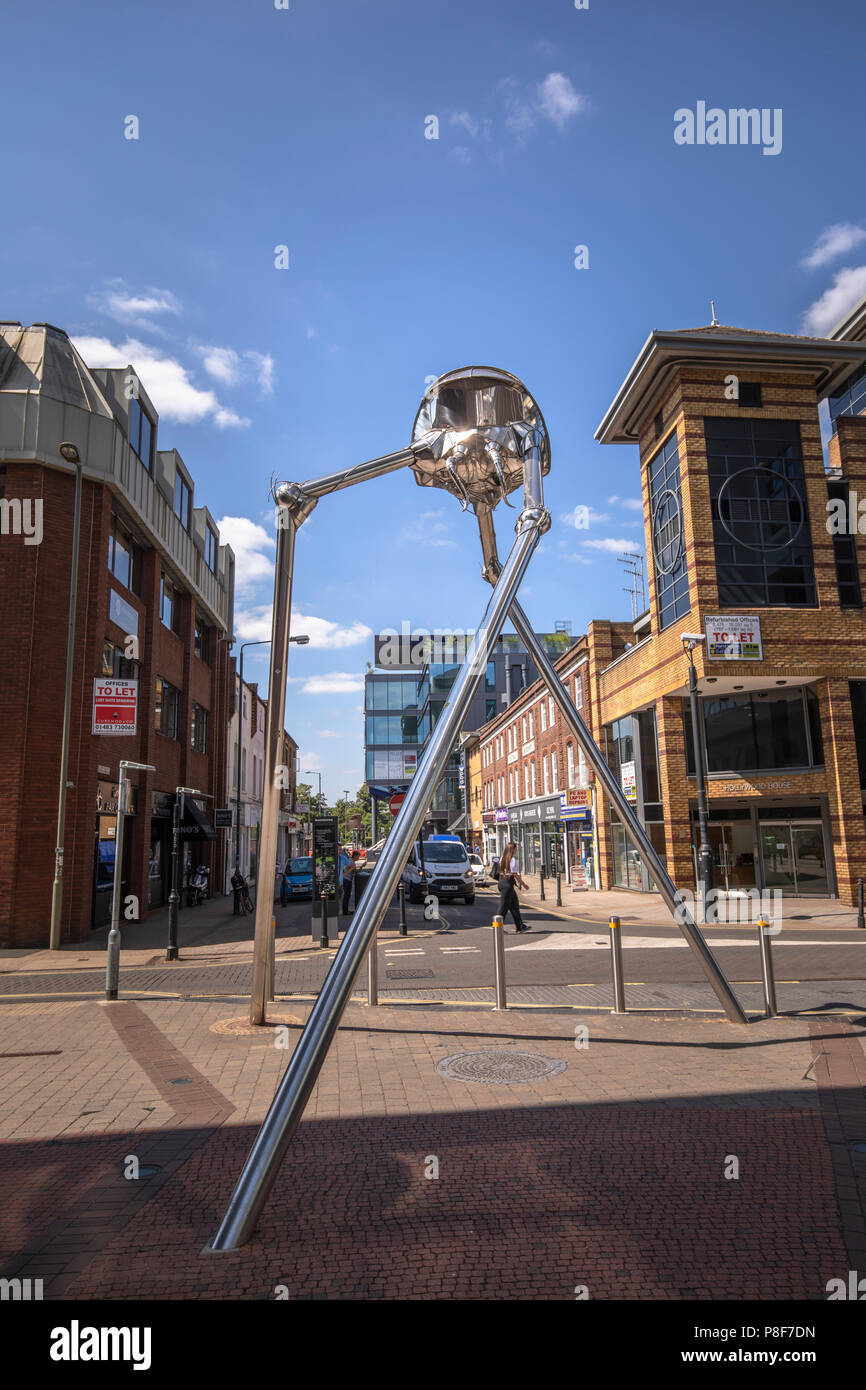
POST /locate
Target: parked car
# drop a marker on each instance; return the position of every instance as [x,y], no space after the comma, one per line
[299,877]
[479,871]
[440,866]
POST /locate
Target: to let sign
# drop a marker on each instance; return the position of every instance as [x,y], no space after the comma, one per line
[115,703]
[733,637]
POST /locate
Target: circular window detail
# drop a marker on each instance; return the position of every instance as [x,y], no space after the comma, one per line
[667,532]
[763,502]
[499,1066]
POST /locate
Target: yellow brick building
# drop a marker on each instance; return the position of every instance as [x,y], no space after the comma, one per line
[738,503]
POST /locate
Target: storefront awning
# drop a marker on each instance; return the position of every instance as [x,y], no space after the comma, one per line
[193,825]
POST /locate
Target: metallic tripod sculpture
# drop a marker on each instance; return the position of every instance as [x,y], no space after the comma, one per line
[478,435]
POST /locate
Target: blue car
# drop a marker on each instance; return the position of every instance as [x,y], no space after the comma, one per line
[298,878]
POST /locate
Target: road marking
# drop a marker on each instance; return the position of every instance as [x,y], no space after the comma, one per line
[403,953]
[568,941]
[452,950]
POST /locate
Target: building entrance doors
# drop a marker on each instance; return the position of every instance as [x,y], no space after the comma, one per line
[795,857]
[733,855]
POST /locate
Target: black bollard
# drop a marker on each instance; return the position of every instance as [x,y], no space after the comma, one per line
[401,891]
[559,890]
[861,920]
[541,881]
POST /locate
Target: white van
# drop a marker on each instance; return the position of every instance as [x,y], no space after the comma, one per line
[443,869]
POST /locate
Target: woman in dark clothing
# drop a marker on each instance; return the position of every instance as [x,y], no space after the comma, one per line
[509,874]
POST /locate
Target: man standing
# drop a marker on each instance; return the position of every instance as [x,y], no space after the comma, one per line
[348,869]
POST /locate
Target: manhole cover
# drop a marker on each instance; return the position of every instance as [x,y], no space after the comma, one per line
[409,974]
[499,1067]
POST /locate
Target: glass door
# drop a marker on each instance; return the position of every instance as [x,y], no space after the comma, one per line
[810,862]
[778,856]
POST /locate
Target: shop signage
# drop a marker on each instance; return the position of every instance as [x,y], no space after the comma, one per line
[576,804]
[626,777]
[502,813]
[778,785]
[115,703]
[222,819]
[488,817]
[733,637]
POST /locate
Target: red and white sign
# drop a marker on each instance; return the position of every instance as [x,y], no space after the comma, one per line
[734,637]
[115,705]
[396,802]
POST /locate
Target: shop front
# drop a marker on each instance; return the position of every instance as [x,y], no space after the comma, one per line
[577,821]
[195,837]
[534,828]
[777,846]
[104,845]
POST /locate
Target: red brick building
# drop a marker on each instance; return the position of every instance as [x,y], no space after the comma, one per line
[155,600]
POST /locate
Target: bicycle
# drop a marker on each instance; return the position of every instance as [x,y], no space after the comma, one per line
[246,904]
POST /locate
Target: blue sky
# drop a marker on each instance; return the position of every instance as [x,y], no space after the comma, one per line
[410,256]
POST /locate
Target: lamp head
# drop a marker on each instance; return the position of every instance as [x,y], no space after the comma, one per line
[69,452]
[690,640]
[473,426]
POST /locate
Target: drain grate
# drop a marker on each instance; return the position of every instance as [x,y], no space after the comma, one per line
[498,1066]
[409,974]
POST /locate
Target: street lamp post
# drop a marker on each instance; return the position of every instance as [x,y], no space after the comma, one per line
[171,952]
[302,639]
[112,960]
[70,453]
[690,640]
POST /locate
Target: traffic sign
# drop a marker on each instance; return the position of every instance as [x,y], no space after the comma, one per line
[396,802]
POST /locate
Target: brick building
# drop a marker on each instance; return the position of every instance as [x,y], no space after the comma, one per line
[155,596]
[535,785]
[739,505]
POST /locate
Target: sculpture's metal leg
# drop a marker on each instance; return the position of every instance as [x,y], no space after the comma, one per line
[281,1121]
[632,826]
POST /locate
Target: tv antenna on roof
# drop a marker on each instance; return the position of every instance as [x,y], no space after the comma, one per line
[715,322]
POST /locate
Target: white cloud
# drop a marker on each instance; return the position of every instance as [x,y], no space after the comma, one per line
[223,363]
[632,504]
[329,683]
[127,306]
[554,99]
[610,544]
[583,516]
[848,287]
[574,558]
[558,99]
[231,367]
[330,733]
[834,241]
[468,122]
[426,528]
[165,380]
[251,544]
[310,762]
[254,622]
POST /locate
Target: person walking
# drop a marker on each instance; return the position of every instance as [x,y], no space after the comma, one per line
[509,874]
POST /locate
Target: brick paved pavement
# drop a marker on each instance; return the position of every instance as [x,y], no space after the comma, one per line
[609,1174]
